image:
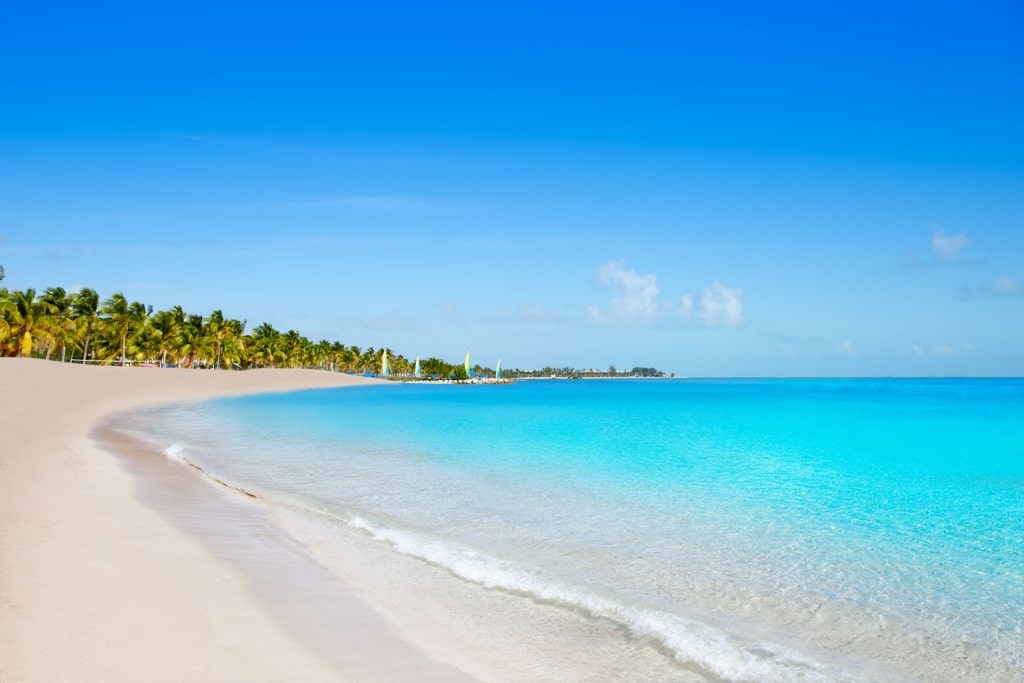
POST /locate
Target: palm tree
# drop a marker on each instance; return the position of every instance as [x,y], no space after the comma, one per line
[27,317]
[5,325]
[62,324]
[190,344]
[368,361]
[295,349]
[232,348]
[264,346]
[165,326]
[85,307]
[352,356]
[222,333]
[400,365]
[338,355]
[122,319]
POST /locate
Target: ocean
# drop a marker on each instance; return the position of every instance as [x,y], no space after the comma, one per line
[747,530]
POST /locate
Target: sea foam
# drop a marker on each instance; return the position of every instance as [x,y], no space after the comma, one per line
[726,656]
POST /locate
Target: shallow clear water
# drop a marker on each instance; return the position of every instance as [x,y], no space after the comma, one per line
[756,530]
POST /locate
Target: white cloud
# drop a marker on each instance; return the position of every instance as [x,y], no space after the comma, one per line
[634,296]
[635,299]
[968,348]
[943,350]
[948,247]
[918,351]
[720,306]
[1006,285]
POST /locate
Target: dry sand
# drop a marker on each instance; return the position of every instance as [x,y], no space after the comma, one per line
[98,585]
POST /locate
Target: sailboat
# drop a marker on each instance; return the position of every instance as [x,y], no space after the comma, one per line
[497,370]
[384,369]
[416,370]
[469,370]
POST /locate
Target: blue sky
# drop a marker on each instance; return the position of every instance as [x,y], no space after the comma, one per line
[712,189]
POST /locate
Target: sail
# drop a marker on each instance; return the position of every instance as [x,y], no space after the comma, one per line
[384,369]
[416,370]
[497,370]
[469,370]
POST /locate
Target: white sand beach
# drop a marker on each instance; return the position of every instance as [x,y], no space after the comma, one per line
[96,585]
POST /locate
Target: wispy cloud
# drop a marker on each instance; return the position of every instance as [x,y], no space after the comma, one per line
[721,306]
[948,247]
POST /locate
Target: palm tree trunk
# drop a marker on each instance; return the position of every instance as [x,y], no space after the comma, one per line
[124,349]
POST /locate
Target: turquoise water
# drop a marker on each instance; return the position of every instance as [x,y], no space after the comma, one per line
[753,530]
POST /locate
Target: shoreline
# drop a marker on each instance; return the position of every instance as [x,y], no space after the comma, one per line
[106,574]
[96,584]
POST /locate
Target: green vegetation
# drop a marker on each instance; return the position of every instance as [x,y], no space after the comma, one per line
[81,327]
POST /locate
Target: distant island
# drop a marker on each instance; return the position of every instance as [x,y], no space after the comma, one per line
[81,327]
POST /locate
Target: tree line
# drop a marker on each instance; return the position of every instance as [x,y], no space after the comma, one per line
[81,327]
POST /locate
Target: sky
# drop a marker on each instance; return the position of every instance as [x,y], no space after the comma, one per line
[712,189]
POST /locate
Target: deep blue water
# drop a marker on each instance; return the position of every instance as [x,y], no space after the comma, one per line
[762,529]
